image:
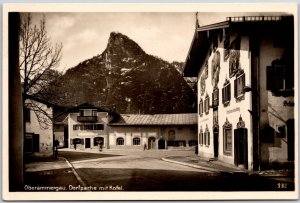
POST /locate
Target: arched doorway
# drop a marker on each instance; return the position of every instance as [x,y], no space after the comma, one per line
[161,144]
[151,143]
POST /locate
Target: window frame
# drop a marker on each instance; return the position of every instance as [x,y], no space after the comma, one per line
[201,107]
[120,141]
[215,97]
[136,141]
[226,149]
[226,93]
[206,105]
[240,79]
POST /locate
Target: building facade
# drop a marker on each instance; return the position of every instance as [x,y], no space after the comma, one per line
[158,131]
[39,137]
[245,70]
[87,127]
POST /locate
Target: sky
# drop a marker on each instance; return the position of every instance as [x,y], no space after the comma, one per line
[84,35]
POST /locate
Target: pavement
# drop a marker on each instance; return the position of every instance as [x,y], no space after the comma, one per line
[186,158]
[218,166]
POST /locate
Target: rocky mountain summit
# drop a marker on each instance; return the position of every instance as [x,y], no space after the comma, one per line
[129,78]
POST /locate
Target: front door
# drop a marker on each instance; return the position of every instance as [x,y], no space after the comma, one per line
[151,143]
[216,142]
[161,144]
[87,142]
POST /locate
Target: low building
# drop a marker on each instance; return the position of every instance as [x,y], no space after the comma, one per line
[245,70]
[39,137]
[158,131]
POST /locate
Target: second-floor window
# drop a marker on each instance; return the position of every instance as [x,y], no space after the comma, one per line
[201,107]
[215,97]
[226,93]
[206,104]
[94,112]
[81,112]
[239,84]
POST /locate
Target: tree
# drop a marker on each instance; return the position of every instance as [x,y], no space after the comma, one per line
[38,60]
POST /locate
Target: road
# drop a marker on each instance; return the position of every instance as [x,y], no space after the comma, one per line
[145,171]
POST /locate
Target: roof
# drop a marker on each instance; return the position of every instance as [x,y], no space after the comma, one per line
[204,36]
[156,119]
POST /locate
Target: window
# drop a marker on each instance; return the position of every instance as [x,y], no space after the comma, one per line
[81,112]
[206,104]
[215,97]
[239,84]
[120,141]
[98,127]
[94,112]
[27,115]
[201,137]
[201,107]
[226,93]
[227,138]
[278,79]
[207,137]
[136,141]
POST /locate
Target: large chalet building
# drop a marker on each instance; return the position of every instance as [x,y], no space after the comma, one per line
[245,71]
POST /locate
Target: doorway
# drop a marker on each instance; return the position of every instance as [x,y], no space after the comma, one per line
[161,144]
[87,142]
[151,143]
[216,142]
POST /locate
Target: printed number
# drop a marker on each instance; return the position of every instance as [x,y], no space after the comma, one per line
[282,185]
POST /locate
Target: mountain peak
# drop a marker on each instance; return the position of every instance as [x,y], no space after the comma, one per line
[121,44]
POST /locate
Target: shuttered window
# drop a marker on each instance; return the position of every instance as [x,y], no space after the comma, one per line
[226,94]
[201,107]
[206,105]
[239,84]
[278,79]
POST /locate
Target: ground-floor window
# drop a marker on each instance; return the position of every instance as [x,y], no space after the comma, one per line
[98,140]
[227,137]
[120,141]
[206,137]
[136,141]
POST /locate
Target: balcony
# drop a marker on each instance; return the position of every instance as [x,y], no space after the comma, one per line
[84,119]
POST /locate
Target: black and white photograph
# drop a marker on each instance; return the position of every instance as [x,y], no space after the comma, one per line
[139,101]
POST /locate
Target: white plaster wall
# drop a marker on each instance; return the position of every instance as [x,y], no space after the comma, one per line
[46,135]
[231,112]
[82,134]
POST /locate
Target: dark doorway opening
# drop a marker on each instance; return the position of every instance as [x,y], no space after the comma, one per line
[216,142]
[87,142]
[161,144]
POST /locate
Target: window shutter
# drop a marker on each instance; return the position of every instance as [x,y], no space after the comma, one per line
[223,95]
[217,97]
[208,138]
[270,78]
[235,88]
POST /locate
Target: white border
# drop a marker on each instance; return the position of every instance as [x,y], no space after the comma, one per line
[140,7]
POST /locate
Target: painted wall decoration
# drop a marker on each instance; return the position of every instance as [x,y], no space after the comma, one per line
[226,47]
[202,84]
[234,56]
[206,70]
[215,69]
[241,123]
